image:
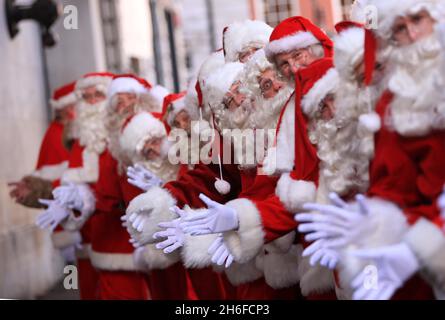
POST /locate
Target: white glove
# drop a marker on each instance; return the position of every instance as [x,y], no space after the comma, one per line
[220,253]
[332,228]
[394,265]
[442,204]
[218,218]
[142,178]
[68,196]
[174,235]
[52,216]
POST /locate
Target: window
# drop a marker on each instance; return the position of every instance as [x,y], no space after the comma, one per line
[111,35]
[277,10]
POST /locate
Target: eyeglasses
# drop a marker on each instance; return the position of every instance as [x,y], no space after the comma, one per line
[91,96]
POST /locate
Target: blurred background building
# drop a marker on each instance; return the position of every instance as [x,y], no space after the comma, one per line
[164,41]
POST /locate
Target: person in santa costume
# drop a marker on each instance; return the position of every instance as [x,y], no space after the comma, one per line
[83,170]
[242,39]
[52,162]
[113,256]
[238,108]
[395,231]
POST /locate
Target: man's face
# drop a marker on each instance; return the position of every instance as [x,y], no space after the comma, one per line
[246,54]
[152,149]
[67,114]
[93,96]
[182,121]
[125,102]
[234,98]
[408,29]
[327,108]
[288,63]
[270,83]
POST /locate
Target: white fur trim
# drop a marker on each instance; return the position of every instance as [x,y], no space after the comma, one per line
[349,51]
[385,225]
[112,261]
[285,148]
[219,82]
[299,40]
[64,101]
[315,280]
[139,130]
[241,35]
[155,259]
[295,193]
[243,273]
[102,82]
[247,241]
[280,266]
[51,172]
[125,85]
[428,244]
[63,239]
[155,204]
[326,85]
[88,173]
[195,251]
[159,93]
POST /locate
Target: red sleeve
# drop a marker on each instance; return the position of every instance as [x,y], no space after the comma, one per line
[109,197]
[277,221]
[52,150]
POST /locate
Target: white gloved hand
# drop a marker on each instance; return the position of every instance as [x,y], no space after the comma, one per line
[442,204]
[393,266]
[332,228]
[220,253]
[52,216]
[218,218]
[174,235]
[142,178]
[68,196]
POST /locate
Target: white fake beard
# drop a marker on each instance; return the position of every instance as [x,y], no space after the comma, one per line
[236,119]
[90,126]
[267,111]
[416,78]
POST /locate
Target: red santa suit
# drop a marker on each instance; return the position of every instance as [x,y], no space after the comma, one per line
[86,153]
[54,156]
[167,278]
[406,175]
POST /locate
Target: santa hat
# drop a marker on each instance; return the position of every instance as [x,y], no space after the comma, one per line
[128,83]
[173,104]
[212,63]
[64,96]
[239,36]
[101,80]
[297,33]
[320,89]
[299,186]
[139,129]
[386,13]
[349,48]
[221,81]
[159,93]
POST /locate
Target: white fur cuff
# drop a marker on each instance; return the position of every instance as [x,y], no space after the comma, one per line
[247,241]
[155,259]
[295,193]
[155,204]
[428,243]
